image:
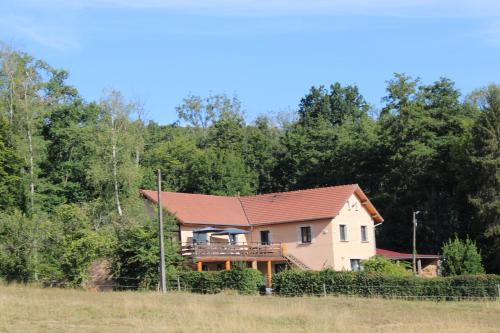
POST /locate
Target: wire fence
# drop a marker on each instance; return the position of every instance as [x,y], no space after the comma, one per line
[450,293]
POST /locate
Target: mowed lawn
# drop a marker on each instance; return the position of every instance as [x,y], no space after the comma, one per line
[31,309]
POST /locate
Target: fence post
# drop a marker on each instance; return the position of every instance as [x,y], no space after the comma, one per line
[178,284]
[498,291]
[324,289]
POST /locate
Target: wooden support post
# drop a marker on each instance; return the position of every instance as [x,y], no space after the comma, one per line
[254,264]
[283,249]
[228,265]
[269,274]
[200,266]
[419,266]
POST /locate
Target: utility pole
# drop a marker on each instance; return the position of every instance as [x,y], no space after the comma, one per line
[415,242]
[160,235]
[414,256]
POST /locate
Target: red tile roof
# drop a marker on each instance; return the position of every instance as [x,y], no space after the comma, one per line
[201,208]
[302,205]
[399,255]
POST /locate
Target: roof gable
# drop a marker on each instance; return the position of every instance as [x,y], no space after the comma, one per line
[302,205]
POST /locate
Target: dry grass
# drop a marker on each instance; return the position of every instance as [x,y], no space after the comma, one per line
[29,309]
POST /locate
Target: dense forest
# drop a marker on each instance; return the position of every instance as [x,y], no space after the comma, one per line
[71,169]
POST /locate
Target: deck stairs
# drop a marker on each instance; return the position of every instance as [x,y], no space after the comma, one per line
[294,261]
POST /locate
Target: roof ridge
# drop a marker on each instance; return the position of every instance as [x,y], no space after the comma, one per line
[300,190]
[188,193]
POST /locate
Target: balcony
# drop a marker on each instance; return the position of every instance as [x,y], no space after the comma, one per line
[233,252]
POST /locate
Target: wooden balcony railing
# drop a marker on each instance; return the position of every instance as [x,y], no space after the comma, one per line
[251,250]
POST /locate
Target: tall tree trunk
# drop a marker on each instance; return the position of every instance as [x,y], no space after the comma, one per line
[29,135]
[31,153]
[31,167]
[137,157]
[11,99]
[115,168]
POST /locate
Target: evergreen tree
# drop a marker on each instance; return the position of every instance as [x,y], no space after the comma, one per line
[485,184]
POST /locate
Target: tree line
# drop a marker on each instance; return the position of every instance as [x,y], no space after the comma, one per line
[71,169]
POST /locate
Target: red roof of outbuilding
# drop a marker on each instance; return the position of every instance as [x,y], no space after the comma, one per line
[302,205]
[399,255]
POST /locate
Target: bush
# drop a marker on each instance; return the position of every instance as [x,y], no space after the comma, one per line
[299,283]
[245,281]
[136,257]
[461,257]
[382,265]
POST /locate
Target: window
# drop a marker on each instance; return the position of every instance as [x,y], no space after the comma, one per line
[364,237]
[343,232]
[305,235]
[355,265]
[264,237]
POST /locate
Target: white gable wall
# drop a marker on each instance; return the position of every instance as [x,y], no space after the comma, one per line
[353,215]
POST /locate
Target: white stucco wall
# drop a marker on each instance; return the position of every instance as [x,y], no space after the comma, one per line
[353,215]
[317,255]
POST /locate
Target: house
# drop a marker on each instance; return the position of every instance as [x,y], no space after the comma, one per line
[427,264]
[330,227]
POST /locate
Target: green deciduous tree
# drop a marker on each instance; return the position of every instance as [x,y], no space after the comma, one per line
[221,172]
[10,171]
[69,132]
[334,105]
[199,112]
[113,171]
[261,154]
[332,142]
[79,245]
[136,259]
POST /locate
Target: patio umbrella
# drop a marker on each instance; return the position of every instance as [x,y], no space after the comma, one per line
[232,231]
[206,230]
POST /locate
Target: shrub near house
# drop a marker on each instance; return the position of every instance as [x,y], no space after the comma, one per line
[382,265]
[461,257]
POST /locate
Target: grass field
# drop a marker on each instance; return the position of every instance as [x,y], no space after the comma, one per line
[30,309]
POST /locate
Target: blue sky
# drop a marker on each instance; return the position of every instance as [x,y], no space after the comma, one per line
[269,53]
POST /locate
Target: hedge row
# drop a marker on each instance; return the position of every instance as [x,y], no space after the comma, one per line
[298,283]
[245,281]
